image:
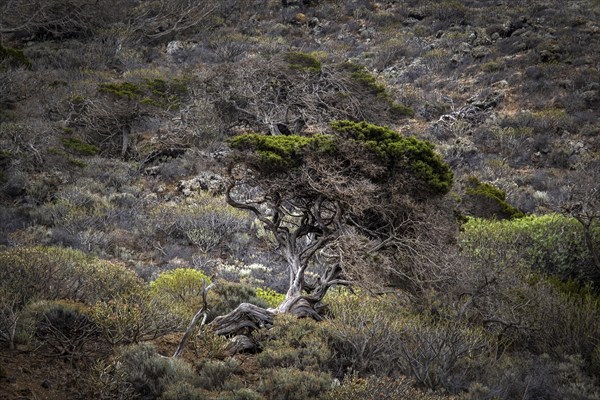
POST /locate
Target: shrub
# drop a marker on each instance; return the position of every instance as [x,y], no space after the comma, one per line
[551,244]
[203,220]
[241,394]
[486,200]
[137,316]
[303,62]
[13,57]
[148,373]
[214,373]
[30,274]
[269,296]
[182,286]
[530,377]
[181,391]
[79,146]
[226,296]
[294,343]
[372,388]
[363,334]
[65,328]
[294,384]
[440,354]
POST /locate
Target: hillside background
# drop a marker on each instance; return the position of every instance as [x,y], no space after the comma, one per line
[114,118]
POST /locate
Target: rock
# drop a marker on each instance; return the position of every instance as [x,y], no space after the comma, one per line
[480,52]
[213,183]
[46,384]
[590,96]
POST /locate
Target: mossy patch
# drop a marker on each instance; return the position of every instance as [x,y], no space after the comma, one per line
[122,89]
[303,61]
[155,92]
[489,201]
[79,147]
[14,57]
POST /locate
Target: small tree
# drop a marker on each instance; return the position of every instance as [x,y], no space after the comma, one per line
[336,202]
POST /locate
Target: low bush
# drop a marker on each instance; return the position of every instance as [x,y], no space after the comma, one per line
[213,374]
[550,244]
[137,316]
[182,286]
[363,334]
[32,274]
[294,384]
[270,296]
[65,329]
[294,343]
[150,374]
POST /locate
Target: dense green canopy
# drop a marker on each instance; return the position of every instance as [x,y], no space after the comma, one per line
[390,150]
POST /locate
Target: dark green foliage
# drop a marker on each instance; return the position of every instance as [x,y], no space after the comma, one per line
[154,92]
[487,193]
[13,57]
[80,147]
[280,152]
[303,62]
[398,153]
[401,153]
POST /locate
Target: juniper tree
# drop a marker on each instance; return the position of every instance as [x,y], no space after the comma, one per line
[334,202]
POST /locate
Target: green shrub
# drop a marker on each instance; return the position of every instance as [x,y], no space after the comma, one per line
[269,296]
[13,57]
[550,244]
[31,274]
[214,373]
[294,384]
[369,85]
[79,146]
[303,62]
[148,373]
[123,89]
[181,391]
[489,200]
[279,152]
[293,342]
[181,285]
[137,316]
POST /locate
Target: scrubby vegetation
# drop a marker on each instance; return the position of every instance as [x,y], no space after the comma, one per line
[313,199]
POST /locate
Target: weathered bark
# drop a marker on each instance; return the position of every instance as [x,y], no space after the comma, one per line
[245,319]
[242,344]
[202,312]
